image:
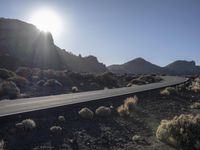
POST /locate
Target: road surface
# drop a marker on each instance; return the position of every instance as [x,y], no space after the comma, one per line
[10,107]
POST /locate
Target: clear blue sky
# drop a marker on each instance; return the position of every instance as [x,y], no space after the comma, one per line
[116,31]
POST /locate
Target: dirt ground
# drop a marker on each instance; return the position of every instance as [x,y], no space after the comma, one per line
[111,133]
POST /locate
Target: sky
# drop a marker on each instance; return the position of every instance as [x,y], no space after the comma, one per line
[117,31]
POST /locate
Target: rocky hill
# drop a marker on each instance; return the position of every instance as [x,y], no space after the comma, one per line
[136,66]
[22,44]
[183,67]
[141,66]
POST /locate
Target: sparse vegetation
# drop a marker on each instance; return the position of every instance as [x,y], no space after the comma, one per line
[86,113]
[103,111]
[9,88]
[56,129]
[26,125]
[181,131]
[168,91]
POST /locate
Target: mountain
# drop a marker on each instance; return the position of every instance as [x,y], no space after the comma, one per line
[141,66]
[183,67]
[136,66]
[22,44]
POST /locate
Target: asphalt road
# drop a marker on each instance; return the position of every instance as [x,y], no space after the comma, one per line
[10,107]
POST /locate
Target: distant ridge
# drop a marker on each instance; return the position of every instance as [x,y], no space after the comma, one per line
[22,44]
[141,66]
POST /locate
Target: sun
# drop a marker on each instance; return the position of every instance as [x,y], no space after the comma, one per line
[47,21]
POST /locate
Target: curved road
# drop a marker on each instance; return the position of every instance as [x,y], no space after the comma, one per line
[10,107]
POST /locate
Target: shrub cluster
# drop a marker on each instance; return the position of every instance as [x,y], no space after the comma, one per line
[181,131]
[26,125]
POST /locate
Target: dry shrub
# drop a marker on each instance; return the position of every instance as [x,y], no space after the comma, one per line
[86,113]
[131,102]
[181,131]
[103,111]
[122,111]
[128,106]
[168,91]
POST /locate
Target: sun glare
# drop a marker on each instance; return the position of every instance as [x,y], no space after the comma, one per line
[47,21]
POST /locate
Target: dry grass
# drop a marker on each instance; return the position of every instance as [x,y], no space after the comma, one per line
[131,102]
[128,106]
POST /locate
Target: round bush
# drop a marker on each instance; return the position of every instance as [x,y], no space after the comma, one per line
[28,124]
[103,111]
[56,129]
[19,81]
[86,113]
[9,88]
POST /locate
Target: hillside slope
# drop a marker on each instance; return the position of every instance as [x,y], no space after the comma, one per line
[22,44]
